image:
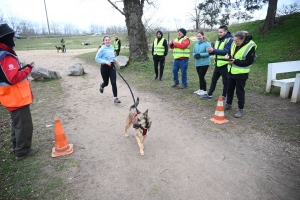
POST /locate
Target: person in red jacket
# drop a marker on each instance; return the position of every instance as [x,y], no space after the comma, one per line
[16,94]
[181,54]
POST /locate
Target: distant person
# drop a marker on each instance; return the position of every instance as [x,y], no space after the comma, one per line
[241,56]
[202,60]
[106,57]
[221,48]
[13,77]
[159,53]
[63,45]
[181,54]
[117,45]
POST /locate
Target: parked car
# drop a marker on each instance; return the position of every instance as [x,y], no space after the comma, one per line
[18,36]
[97,34]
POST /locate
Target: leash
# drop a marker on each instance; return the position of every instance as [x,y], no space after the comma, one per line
[128,87]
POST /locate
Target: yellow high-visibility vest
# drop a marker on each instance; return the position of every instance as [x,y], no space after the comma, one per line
[221,46]
[179,53]
[240,55]
[116,44]
[159,49]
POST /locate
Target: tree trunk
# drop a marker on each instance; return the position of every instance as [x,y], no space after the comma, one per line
[270,18]
[138,47]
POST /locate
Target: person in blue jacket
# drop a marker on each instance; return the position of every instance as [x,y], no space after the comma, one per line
[202,60]
[106,57]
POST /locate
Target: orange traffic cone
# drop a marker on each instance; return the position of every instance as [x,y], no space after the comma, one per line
[62,147]
[219,117]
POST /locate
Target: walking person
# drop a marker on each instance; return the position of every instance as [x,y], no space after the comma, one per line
[241,56]
[117,45]
[202,60]
[106,57]
[221,48]
[63,44]
[13,76]
[181,54]
[159,53]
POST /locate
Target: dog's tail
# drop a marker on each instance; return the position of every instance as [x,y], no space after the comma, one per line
[136,103]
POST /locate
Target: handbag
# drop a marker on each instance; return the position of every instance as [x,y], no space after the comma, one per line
[117,66]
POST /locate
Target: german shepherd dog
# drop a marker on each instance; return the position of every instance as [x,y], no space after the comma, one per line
[140,122]
[58,49]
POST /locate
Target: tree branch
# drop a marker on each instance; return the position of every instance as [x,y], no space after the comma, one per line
[115,7]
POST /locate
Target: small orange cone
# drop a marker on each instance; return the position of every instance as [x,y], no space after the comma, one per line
[62,147]
[219,117]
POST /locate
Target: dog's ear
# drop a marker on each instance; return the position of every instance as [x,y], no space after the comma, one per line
[146,112]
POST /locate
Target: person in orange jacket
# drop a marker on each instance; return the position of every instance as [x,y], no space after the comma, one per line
[16,94]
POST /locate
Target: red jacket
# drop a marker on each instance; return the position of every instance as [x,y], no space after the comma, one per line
[183,45]
[11,71]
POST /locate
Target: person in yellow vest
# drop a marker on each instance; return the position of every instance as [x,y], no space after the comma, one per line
[181,54]
[221,48]
[63,44]
[117,45]
[159,53]
[241,56]
[16,94]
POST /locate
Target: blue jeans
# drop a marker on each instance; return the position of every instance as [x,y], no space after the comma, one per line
[183,66]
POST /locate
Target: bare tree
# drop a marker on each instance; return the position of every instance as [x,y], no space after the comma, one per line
[2,19]
[55,28]
[196,16]
[288,9]
[133,12]
[13,21]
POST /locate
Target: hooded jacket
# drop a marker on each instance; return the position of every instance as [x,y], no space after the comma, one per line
[200,48]
[165,45]
[242,63]
[105,54]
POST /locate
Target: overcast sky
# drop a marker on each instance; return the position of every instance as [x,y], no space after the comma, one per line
[82,13]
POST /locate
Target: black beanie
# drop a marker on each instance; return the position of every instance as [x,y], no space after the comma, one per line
[183,31]
[7,35]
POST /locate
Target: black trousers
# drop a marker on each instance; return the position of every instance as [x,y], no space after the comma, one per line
[117,52]
[239,85]
[161,62]
[21,130]
[201,71]
[108,72]
[219,71]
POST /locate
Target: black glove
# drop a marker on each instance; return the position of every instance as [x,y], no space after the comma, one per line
[197,56]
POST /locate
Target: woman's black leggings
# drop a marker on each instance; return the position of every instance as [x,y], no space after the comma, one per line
[108,72]
[201,74]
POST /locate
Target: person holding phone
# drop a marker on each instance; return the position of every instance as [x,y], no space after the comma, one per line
[241,56]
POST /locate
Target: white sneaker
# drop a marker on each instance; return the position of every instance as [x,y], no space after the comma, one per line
[196,92]
[202,93]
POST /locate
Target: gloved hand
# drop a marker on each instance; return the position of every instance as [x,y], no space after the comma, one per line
[197,56]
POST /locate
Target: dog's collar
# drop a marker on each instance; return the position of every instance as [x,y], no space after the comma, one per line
[145,130]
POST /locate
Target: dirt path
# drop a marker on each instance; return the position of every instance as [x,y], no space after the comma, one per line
[182,161]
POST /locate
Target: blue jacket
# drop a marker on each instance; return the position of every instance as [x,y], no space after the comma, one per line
[227,47]
[105,54]
[200,48]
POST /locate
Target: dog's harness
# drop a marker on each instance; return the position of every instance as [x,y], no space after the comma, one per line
[145,130]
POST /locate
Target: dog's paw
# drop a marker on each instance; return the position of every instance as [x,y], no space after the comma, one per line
[126,135]
[141,152]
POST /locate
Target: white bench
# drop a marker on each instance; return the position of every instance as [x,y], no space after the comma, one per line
[296,90]
[284,84]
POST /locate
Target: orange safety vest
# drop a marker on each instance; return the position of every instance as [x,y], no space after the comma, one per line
[16,95]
